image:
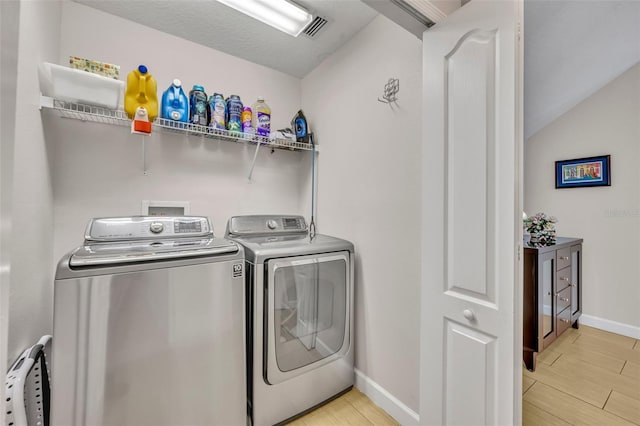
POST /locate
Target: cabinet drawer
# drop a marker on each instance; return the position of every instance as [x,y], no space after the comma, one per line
[563,321]
[563,278]
[563,299]
[563,258]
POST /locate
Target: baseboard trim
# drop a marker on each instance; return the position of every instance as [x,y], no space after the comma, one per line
[612,326]
[385,400]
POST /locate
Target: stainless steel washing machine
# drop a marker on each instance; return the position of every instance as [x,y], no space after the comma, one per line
[149,326]
[299,316]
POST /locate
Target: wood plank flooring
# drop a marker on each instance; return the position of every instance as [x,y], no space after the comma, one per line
[587,377]
[352,408]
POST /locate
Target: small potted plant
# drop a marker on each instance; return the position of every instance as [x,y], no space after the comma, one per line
[542,229]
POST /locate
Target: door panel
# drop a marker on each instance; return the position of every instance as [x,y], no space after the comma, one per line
[307,309]
[472,291]
[470,391]
[576,285]
[547,277]
[470,95]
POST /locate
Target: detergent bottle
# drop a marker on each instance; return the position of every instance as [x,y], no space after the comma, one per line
[141,93]
[261,119]
[300,127]
[175,104]
[199,111]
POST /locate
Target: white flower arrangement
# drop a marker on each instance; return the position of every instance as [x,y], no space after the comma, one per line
[542,229]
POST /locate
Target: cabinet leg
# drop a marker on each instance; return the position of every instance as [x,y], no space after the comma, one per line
[575,325]
[529,358]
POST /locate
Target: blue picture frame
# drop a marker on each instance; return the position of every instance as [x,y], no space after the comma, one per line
[581,172]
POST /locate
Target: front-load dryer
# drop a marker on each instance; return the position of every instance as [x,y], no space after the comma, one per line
[149,326]
[299,316]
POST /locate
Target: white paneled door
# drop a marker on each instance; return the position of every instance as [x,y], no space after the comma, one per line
[471,293]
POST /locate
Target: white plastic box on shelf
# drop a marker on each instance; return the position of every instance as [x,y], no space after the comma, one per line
[80,86]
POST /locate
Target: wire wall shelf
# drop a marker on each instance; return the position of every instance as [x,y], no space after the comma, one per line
[96,114]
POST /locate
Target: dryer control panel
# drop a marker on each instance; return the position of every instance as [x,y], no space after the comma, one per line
[266,225]
[147,227]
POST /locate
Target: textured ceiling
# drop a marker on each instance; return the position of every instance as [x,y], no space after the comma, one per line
[572,49]
[213,24]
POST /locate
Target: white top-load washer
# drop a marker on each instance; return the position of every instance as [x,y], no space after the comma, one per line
[149,326]
[299,316]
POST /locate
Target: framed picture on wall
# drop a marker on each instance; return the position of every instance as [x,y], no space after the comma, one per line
[590,171]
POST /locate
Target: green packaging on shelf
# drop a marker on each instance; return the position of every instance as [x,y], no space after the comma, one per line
[101,68]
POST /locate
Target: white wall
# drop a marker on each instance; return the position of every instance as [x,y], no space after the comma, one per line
[369,191]
[32,236]
[607,218]
[368,174]
[9,34]
[571,49]
[98,170]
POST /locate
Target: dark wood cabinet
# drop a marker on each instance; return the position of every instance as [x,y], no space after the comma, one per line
[552,294]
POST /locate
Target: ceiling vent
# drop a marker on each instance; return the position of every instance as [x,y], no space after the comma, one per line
[315,27]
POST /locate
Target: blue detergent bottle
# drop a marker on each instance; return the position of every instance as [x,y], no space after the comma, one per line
[175,104]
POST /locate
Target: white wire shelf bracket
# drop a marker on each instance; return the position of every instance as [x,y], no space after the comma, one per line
[97,114]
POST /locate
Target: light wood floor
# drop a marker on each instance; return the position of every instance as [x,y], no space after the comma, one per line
[586,377]
[352,408]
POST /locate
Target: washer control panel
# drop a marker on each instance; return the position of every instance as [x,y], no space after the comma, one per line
[145,227]
[188,226]
[156,227]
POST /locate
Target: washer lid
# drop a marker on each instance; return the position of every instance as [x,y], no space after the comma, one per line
[116,240]
[263,247]
[272,236]
[146,251]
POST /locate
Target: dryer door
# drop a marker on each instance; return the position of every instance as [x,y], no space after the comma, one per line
[308,311]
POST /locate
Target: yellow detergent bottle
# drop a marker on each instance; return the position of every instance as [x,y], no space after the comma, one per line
[141,93]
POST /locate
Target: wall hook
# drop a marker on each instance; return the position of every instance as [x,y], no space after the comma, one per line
[391,89]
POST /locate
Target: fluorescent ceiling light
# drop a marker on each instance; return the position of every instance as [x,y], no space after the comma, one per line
[280,14]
